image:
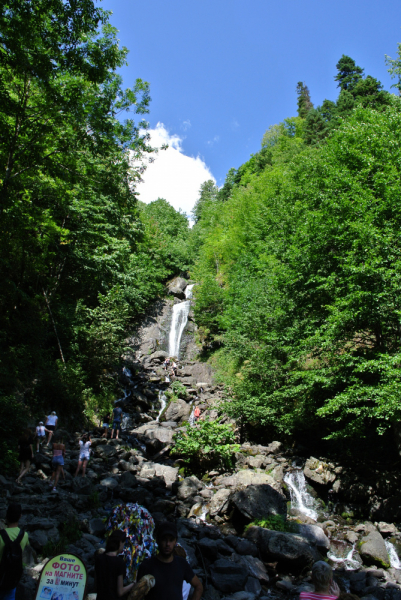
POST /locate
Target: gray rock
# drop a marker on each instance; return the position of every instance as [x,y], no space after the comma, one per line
[148,471]
[82,485]
[106,451]
[219,503]
[228,576]
[178,411]
[256,568]
[259,501]
[176,287]
[208,548]
[188,487]
[289,549]
[128,480]
[246,547]
[31,524]
[319,472]
[169,474]
[97,527]
[256,462]
[158,356]
[253,586]
[109,482]
[373,550]
[38,539]
[351,537]
[315,534]
[387,529]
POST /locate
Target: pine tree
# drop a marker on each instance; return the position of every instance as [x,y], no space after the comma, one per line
[304,101]
[349,74]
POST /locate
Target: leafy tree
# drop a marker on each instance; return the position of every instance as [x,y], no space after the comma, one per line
[304,101]
[208,193]
[349,74]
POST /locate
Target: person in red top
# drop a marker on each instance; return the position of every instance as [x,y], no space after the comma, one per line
[197,413]
[322,579]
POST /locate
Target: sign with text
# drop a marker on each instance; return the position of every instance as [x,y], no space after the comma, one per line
[63,578]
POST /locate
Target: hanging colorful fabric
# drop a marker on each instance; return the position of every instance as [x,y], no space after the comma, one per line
[138,524]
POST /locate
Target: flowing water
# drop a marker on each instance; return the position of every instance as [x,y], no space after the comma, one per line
[392,552]
[300,497]
[347,560]
[163,402]
[178,322]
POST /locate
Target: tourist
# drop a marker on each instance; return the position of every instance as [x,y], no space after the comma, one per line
[322,579]
[169,570]
[174,368]
[40,434]
[51,424]
[110,569]
[11,571]
[57,463]
[25,453]
[117,413]
[197,413]
[166,363]
[84,452]
[106,424]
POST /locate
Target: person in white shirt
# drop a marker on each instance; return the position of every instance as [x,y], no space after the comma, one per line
[40,434]
[51,424]
[84,452]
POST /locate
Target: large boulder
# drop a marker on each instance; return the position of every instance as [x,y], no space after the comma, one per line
[97,527]
[228,576]
[256,568]
[316,535]
[82,485]
[169,474]
[188,487]
[247,477]
[176,287]
[219,503]
[259,501]
[373,550]
[290,550]
[319,472]
[178,410]
[106,451]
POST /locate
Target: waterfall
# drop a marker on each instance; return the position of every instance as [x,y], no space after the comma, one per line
[300,497]
[191,419]
[163,402]
[178,322]
[392,552]
[126,421]
[348,561]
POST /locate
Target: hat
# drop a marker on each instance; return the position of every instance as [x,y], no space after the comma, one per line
[53,413]
[40,422]
[166,528]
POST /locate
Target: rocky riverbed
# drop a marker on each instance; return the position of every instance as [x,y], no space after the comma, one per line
[340,512]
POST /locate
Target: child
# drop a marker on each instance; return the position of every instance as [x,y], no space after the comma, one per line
[40,434]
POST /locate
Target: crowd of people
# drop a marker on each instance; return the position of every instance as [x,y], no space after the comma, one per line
[164,576]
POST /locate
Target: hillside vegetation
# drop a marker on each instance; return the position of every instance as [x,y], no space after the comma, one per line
[299,268]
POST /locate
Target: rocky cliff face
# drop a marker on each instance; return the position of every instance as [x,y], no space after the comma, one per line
[212,512]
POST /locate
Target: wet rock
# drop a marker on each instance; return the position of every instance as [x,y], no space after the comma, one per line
[259,501]
[319,472]
[373,550]
[351,537]
[387,529]
[219,502]
[228,576]
[289,549]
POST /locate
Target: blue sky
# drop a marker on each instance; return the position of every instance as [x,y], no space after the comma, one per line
[222,71]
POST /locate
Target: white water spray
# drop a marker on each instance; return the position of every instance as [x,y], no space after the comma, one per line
[348,562]
[178,322]
[163,402]
[300,497]
[392,552]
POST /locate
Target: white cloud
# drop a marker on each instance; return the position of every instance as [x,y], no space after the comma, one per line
[186,125]
[173,175]
[213,141]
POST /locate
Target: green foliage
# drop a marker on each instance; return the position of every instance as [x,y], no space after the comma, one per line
[13,418]
[304,101]
[298,285]
[208,444]
[349,74]
[274,523]
[177,389]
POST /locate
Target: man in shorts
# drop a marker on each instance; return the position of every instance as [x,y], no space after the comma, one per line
[117,414]
[169,570]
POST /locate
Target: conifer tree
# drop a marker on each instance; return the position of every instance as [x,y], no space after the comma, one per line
[349,74]
[304,101]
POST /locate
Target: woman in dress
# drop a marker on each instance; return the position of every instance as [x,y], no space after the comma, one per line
[25,450]
[84,451]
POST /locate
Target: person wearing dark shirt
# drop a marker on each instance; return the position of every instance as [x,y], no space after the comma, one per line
[25,453]
[169,570]
[106,424]
[110,569]
[117,412]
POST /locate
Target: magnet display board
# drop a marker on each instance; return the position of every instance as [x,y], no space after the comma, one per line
[63,578]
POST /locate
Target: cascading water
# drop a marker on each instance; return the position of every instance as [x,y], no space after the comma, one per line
[300,497]
[347,561]
[163,402]
[178,322]
[392,552]
[126,421]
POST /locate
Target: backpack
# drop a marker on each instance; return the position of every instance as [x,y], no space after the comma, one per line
[11,563]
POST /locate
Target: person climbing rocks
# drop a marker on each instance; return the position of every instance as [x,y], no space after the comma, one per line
[57,462]
[106,424]
[169,570]
[117,413]
[84,453]
[197,413]
[51,424]
[174,367]
[322,579]
[25,453]
[40,434]
[110,569]
[12,542]
[166,363]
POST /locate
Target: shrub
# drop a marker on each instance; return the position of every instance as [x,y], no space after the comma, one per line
[274,523]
